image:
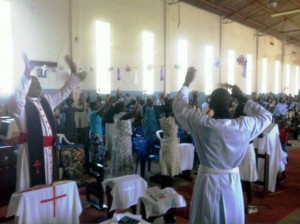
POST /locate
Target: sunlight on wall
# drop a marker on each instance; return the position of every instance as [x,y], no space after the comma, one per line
[231,67]
[103,56]
[249,73]
[208,63]
[276,83]
[296,80]
[148,48]
[264,75]
[182,61]
[287,78]
[6,48]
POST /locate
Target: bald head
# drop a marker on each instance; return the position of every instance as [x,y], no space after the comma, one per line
[35,88]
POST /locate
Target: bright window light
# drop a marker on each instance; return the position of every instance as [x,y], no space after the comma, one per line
[148,48]
[182,61]
[6,52]
[249,73]
[287,79]
[296,80]
[103,55]
[264,75]
[208,69]
[231,67]
[277,70]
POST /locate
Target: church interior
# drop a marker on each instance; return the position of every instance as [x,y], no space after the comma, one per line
[110,111]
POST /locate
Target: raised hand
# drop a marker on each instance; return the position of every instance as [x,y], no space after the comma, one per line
[237,93]
[73,68]
[28,65]
[71,64]
[190,76]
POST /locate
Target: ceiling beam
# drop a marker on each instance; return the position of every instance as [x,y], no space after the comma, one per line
[201,3]
[221,9]
[285,13]
[283,32]
[235,12]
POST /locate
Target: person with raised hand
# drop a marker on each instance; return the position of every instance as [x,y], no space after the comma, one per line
[33,112]
[221,143]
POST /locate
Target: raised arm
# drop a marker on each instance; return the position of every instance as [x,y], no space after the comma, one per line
[18,99]
[183,111]
[56,98]
[262,117]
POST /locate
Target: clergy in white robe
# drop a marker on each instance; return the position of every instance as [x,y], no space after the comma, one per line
[18,104]
[221,145]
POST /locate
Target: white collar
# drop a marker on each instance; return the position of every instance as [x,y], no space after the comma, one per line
[34,99]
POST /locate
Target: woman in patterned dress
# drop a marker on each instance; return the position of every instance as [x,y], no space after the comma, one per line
[169,154]
[122,161]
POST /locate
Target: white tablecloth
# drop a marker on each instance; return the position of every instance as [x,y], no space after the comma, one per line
[162,201]
[125,190]
[186,153]
[270,144]
[59,203]
[118,216]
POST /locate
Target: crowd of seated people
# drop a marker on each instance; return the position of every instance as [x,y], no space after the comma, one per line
[284,108]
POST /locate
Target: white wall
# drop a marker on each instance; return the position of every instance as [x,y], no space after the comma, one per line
[128,19]
[49,29]
[271,49]
[291,57]
[41,28]
[242,41]
[199,28]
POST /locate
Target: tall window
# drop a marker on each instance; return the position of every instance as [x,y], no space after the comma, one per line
[182,61]
[264,75]
[148,48]
[287,78]
[6,52]
[231,67]
[277,70]
[208,69]
[296,80]
[103,42]
[249,73]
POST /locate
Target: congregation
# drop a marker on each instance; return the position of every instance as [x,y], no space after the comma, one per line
[108,125]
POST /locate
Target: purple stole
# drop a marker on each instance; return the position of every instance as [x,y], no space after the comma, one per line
[35,141]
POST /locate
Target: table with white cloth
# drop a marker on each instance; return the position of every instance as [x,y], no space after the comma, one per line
[186,153]
[270,144]
[125,190]
[157,201]
[56,203]
[117,218]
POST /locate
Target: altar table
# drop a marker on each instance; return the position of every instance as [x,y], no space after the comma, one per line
[56,203]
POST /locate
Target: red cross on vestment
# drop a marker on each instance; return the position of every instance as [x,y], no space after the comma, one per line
[37,164]
[54,200]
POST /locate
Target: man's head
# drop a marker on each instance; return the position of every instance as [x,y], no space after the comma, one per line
[35,88]
[95,105]
[69,102]
[150,102]
[220,102]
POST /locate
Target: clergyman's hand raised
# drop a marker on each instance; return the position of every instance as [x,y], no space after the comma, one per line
[71,64]
[73,68]
[28,65]
[190,76]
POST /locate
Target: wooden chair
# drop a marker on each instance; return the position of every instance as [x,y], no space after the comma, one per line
[90,175]
[265,182]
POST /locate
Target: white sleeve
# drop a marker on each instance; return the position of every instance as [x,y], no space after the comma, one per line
[184,113]
[56,98]
[260,117]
